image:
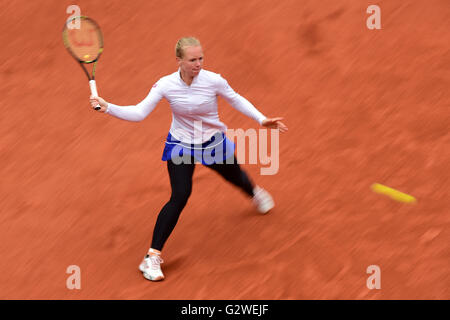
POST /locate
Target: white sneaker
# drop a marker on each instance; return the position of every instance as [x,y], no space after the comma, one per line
[151,267]
[143,264]
[262,200]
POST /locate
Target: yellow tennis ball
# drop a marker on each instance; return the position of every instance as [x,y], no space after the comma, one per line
[86,56]
[392,193]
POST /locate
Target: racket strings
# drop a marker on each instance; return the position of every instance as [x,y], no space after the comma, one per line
[85,42]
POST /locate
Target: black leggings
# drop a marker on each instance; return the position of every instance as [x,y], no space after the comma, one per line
[181,183]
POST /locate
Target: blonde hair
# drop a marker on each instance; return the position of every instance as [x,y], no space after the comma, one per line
[183,43]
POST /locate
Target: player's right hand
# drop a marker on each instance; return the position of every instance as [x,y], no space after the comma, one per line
[98,101]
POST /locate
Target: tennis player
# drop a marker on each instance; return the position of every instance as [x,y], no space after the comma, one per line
[196,135]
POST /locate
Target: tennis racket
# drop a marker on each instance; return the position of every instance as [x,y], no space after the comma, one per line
[84,41]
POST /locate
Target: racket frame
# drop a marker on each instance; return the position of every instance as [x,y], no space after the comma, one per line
[91,77]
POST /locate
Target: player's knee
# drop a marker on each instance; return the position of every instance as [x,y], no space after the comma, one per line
[180,197]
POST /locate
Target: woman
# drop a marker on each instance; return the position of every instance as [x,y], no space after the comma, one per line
[196,135]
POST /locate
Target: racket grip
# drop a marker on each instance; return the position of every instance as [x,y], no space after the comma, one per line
[94,92]
[93,87]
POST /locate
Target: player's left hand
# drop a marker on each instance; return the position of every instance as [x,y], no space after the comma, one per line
[274,123]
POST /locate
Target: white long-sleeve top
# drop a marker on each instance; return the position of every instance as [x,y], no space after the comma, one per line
[194,108]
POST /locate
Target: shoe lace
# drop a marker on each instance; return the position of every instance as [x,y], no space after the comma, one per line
[156,261]
[259,196]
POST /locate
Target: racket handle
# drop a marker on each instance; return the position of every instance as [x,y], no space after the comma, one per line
[94,92]
[93,87]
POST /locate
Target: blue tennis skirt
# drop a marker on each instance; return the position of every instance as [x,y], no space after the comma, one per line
[216,150]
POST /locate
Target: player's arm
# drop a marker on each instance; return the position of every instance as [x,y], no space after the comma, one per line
[133,112]
[243,105]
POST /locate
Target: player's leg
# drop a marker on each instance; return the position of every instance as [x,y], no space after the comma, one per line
[181,183]
[233,173]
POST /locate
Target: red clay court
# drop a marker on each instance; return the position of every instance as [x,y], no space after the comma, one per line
[362,106]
